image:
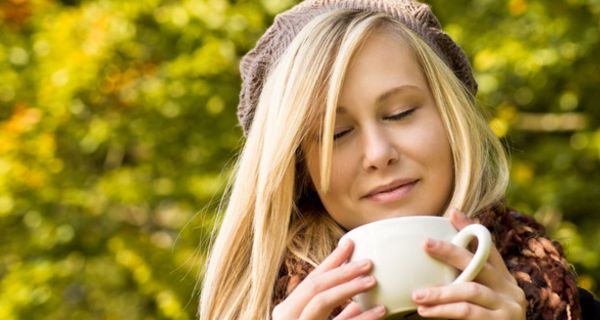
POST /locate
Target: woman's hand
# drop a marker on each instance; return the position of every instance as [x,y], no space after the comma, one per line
[331,284]
[494,294]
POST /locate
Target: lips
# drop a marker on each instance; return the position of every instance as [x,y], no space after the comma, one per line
[393,191]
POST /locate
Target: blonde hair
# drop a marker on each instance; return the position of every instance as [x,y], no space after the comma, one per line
[271,207]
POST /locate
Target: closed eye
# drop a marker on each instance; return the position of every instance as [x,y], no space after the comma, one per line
[340,134]
[401,115]
[394,117]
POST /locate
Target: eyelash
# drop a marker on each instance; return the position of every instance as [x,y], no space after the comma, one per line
[394,117]
[401,115]
[340,134]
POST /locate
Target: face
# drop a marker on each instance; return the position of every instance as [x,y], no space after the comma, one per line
[391,156]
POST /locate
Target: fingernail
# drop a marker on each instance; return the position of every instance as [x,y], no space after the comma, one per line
[422,310]
[456,212]
[419,294]
[369,280]
[379,310]
[460,214]
[431,243]
[344,243]
[363,263]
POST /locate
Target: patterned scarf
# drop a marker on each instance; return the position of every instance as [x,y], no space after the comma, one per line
[537,263]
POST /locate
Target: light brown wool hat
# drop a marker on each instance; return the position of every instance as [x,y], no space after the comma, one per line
[255,65]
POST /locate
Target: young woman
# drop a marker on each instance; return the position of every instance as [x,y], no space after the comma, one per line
[356,111]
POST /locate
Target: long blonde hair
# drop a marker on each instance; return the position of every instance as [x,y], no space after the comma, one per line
[272,208]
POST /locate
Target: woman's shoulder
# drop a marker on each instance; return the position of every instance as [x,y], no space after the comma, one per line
[590,307]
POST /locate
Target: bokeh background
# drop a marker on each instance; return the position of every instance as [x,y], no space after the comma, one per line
[117,129]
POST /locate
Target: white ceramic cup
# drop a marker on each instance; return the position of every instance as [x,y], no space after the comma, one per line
[401,265]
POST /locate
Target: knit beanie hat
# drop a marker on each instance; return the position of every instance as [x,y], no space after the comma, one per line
[255,65]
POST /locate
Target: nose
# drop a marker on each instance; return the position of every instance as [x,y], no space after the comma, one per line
[379,149]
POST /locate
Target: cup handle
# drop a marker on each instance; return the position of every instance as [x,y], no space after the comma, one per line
[484,245]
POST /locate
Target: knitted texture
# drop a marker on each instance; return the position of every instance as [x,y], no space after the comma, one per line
[255,65]
[536,262]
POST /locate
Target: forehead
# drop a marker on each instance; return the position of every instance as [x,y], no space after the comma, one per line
[383,62]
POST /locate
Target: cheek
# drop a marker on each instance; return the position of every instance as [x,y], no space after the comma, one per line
[434,150]
[444,165]
[342,171]
[339,200]
[311,158]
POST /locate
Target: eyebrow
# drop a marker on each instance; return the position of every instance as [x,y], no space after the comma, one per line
[386,95]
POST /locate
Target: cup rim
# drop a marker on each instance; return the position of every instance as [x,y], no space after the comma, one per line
[393,219]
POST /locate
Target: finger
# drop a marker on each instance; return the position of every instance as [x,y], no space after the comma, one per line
[323,303]
[351,310]
[459,310]
[472,292]
[459,258]
[460,220]
[496,260]
[337,257]
[377,312]
[315,284]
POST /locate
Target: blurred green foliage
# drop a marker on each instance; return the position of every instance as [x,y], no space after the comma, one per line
[117,125]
